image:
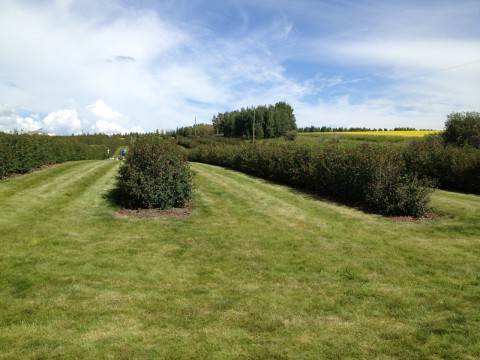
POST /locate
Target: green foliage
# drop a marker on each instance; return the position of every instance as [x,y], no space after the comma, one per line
[255,272]
[21,153]
[397,193]
[269,122]
[201,130]
[290,135]
[111,142]
[310,129]
[155,175]
[462,129]
[328,129]
[374,177]
[192,142]
[452,167]
[352,139]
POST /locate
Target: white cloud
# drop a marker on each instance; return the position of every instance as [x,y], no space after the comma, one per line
[129,67]
[93,55]
[63,121]
[427,54]
[9,120]
[109,127]
[109,121]
[102,110]
[67,121]
[7,114]
[28,124]
[378,113]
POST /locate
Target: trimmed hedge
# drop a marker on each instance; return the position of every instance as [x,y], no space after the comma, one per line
[155,174]
[21,153]
[452,167]
[373,177]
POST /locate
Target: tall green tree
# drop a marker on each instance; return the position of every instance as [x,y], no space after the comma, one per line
[269,122]
[462,129]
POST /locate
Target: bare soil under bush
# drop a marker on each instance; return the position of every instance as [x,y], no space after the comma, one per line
[180,213]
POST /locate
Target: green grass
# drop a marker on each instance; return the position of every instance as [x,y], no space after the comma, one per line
[257,271]
[353,139]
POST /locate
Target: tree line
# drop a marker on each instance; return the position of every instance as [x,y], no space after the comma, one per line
[308,129]
[203,130]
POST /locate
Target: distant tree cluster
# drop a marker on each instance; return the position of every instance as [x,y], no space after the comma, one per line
[196,130]
[351,129]
[270,122]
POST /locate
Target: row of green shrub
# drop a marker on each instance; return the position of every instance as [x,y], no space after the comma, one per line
[21,153]
[375,178]
[111,141]
[452,167]
[452,158]
[192,142]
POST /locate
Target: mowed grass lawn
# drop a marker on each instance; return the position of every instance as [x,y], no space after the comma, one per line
[258,271]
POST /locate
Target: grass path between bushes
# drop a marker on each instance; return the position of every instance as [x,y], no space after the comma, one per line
[257,271]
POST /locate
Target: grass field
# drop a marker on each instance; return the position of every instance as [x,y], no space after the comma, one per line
[361,137]
[258,271]
[414,134]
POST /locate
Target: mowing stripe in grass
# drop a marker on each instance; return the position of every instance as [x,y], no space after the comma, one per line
[262,200]
[28,199]
[46,182]
[257,271]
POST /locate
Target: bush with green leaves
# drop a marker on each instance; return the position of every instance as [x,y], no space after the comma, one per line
[290,135]
[452,167]
[373,177]
[155,174]
[393,191]
[21,153]
[462,129]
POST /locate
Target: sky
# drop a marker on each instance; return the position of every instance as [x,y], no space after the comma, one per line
[116,66]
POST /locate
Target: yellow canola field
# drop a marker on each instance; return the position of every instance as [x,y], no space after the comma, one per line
[418,133]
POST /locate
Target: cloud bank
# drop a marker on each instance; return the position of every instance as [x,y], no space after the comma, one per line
[117,66]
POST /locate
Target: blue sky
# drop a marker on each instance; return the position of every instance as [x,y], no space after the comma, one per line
[69,66]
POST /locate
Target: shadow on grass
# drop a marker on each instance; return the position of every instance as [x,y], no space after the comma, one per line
[114,197]
[341,201]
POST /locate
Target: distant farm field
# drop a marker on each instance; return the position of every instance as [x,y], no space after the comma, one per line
[417,133]
[364,137]
[257,271]
[414,134]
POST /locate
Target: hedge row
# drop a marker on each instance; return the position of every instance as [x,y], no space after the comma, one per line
[452,167]
[372,177]
[21,153]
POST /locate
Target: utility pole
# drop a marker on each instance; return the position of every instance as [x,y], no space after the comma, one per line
[253,130]
[195,127]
